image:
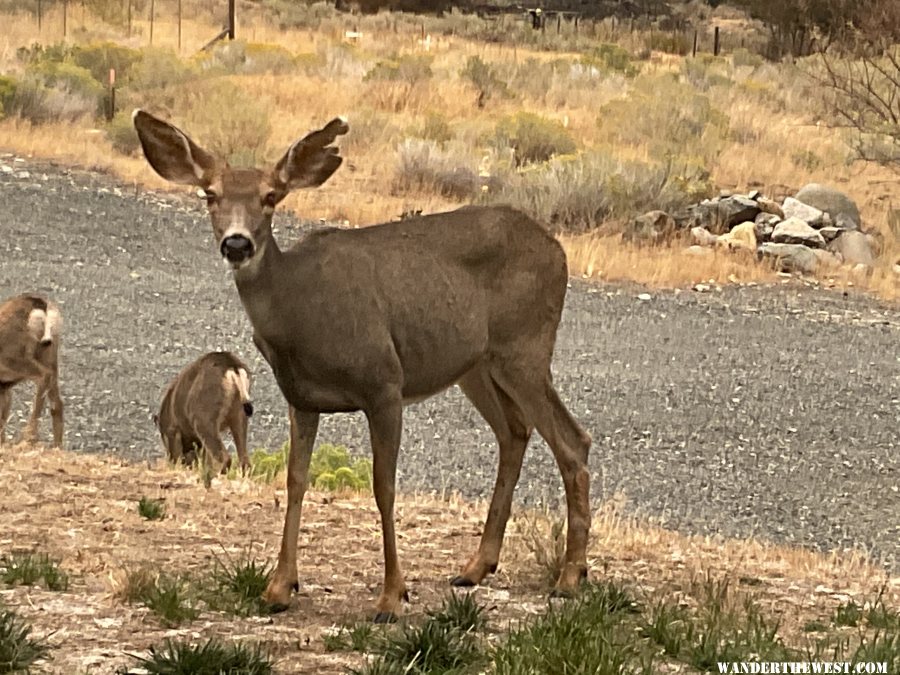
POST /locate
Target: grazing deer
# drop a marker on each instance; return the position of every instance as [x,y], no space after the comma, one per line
[30,327]
[208,396]
[372,319]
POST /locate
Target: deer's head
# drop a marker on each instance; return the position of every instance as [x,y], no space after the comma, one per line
[240,201]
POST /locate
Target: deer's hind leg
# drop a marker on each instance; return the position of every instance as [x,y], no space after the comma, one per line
[56,410]
[512,432]
[41,387]
[570,444]
[237,424]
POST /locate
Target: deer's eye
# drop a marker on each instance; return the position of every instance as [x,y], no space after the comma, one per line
[210,196]
[270,200]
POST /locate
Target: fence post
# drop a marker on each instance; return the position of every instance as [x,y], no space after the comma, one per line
[111,110]
[152,13]
[129,17]
[65,16]
[39,16]
[179,26]
[231,19]
[716,42]
[694,50]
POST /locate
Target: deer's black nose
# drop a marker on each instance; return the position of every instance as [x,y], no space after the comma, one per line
[236,248]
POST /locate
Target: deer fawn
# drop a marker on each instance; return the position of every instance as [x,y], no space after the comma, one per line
[375,318]
[206,397]
[30,327]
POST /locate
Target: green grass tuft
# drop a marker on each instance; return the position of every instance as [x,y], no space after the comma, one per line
[460,611]
[359,637]
[151,509]
[18,650]
[172,601]
[236,586]
[28,569]
[212,657]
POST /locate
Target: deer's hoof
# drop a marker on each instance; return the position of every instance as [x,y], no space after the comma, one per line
[385,617]
[562,593]
[462,582]
[277,607]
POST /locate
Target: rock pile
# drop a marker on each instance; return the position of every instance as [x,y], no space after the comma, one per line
[818,228]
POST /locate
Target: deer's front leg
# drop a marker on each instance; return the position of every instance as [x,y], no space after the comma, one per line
[385,423]
[303,436]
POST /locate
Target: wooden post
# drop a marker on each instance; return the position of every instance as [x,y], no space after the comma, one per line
[152,13]
[694,50]
[558,22]
[65,16]
[179,26]
[231,19]
[129,17]
[39,16]
[111,110]
[576,24]
[716,42]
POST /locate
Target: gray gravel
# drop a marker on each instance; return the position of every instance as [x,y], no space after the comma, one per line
[745,411]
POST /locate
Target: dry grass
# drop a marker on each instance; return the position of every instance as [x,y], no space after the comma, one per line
[80,509]
[774,142]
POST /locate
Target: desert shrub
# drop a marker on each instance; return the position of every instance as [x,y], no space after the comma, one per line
[669,43]
[7,93]
[579,193]
[161,68]
[98,58]
[705,72]
[533,138]
[236,126]
[121,134]
[423,165]
[744,57]
[265,465]
[668,117]
[484,78]
[610,57]
[435,127]
[67,76]
[36,101]
[332,469]
[266,58]
[409,68]
[38,53]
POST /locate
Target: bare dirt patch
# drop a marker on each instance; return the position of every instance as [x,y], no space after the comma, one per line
[83,510]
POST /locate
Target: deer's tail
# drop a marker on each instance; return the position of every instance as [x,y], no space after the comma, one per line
[241,382]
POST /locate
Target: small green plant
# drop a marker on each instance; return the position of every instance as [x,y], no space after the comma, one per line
[266,466]
[460,611]
[533,138]
[236,585]
[7,93]
[587,635]
[137,585]
[848,614]
[151,509]
[612,57]
[331,469]
[432,647]
[213,657]
[171,600]
[28,569]
[18,650]
[807,160]
[408,68]
[666,627]
[436,128]
[358,637]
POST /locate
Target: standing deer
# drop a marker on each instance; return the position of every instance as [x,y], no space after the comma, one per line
[30,327]
[206,397]
[376,318]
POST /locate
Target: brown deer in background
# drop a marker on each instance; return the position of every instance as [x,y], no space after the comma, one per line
[208,396]
[372,319]
[30,328]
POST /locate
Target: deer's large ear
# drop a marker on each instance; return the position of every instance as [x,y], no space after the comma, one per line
[171,153]
[311,160]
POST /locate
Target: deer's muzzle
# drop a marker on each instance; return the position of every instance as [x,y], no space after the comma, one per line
[237,248]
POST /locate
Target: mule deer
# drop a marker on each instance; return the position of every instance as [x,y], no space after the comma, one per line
[375,318]
[30,327]
[206,397]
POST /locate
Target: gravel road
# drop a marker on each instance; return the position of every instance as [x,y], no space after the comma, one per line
[746,411]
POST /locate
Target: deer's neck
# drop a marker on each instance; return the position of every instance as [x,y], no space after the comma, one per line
[259,288]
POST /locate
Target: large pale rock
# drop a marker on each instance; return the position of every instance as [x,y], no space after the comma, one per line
[827,259]
[794,208]
[702,236]
[651,227]
[842,209]
[770,206]
[797,231]
[742,236]
[790,257]
[855,248]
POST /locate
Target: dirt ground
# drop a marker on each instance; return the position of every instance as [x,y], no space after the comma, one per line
[83,509]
